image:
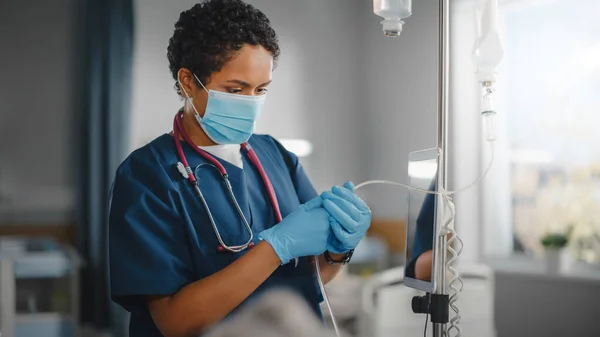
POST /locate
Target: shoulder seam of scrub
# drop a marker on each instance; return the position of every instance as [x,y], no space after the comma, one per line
[138,155]
[152,149]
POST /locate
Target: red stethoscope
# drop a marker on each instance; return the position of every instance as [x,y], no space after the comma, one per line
[187,173]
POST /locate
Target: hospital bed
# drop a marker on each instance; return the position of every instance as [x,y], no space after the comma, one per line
[386,305]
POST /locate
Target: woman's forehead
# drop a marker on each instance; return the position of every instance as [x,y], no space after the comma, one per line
[252,64]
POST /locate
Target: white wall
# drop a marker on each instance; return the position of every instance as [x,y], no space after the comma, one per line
[314,94]
[37,112]
[400,106]
[154,100]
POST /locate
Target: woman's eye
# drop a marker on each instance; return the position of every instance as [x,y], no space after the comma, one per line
[234,91]
[262,91]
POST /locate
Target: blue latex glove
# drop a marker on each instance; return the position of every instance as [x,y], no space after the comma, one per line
[304,232]
[350,218]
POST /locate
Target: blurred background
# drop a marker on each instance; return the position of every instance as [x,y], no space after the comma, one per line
[83,83]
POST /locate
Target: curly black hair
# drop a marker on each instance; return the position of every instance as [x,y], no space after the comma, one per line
[212,32]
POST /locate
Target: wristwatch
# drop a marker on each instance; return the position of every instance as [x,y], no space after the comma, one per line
[344,260]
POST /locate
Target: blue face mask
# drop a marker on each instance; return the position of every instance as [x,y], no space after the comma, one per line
[228,118]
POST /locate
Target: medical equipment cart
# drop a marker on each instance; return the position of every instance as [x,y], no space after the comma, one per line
[39,288]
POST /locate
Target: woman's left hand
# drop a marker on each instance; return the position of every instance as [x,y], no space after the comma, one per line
[350,218]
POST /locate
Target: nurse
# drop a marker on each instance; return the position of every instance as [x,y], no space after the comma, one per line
[168,266]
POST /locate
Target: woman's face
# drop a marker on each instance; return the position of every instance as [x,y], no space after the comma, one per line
[247,73]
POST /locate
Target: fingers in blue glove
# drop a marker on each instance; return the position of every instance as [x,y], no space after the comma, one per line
[347,207]
[334,245]
[350,196]
[349,185]
[341,216]
[344,241]
[313,203]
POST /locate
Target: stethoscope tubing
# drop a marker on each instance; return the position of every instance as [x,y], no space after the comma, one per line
[184,168]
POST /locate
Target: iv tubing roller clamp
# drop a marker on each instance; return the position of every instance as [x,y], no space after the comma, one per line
[439,329]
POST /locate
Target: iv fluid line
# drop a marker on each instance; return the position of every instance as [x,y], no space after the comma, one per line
[449,193]
[325,297]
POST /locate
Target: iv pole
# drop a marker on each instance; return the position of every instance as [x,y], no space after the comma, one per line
[487,54]
[439,329]
[437,303]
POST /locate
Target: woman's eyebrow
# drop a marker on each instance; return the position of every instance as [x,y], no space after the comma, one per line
[246,84]
[240,82]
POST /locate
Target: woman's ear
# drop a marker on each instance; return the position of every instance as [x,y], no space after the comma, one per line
[185,79]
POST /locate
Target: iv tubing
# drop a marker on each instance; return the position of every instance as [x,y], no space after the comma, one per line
[448,193]
[325,297]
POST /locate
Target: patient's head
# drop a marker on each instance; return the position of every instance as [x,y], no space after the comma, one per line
[276,314]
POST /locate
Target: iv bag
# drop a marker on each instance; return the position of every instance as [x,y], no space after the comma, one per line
[393,11]
[487,52]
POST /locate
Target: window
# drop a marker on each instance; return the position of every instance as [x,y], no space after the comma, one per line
[550,91]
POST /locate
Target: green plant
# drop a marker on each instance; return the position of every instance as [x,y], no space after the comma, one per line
[554,241]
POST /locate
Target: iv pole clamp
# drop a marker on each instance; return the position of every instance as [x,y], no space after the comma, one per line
[436,305]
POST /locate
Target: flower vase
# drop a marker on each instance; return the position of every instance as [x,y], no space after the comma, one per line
[557,260]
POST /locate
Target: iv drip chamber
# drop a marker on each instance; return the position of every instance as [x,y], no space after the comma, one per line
[392,11]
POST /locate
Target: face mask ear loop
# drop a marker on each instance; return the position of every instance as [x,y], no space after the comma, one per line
[190,99]
[200,82]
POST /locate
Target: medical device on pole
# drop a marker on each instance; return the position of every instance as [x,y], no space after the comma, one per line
[487,54]
[392,11]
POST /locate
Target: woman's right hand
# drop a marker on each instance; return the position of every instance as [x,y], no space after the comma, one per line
[351,217]
[304,232]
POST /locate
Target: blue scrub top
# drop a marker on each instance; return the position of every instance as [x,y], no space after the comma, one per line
[160,238]
[424,230]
